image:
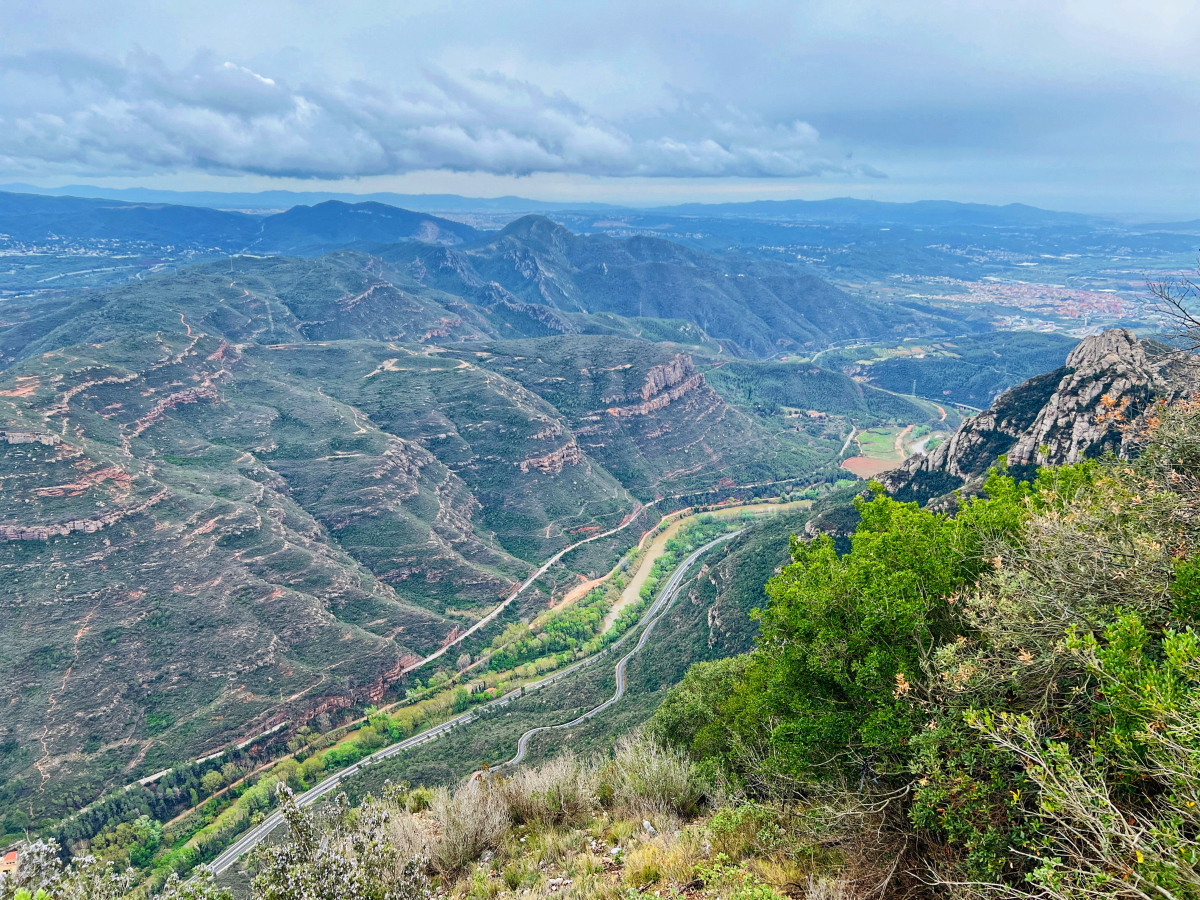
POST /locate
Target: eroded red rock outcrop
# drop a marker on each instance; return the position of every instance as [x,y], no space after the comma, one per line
[87,526]
[663,385]
[553,462]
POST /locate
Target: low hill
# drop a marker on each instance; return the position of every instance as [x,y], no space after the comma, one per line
[930,213]
[311,230]
[35,218]
[300,231]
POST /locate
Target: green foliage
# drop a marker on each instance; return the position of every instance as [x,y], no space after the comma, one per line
[42,875]
[842,638]
[769,387]
[133,843]
[1008,697]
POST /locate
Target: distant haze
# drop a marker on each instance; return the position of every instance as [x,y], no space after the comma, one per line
[1088,107]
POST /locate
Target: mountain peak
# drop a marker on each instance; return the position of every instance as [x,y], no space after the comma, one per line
[1116,348]
[1076,412]
[538,229]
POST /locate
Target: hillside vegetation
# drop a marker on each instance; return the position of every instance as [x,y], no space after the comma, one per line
[1001,700]
[231,501]
[758,308]
[968,369]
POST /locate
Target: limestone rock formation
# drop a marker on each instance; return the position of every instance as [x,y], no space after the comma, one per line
[664,384]
[1076,412]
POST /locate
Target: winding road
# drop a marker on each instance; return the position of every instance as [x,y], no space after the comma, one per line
[259,833]
[524,585]
[653,614]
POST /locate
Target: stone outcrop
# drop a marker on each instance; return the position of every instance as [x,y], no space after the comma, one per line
[29,437]
[663,385]
[553,462]
[86,526]
[205,391]
[1077,412]
[89,480]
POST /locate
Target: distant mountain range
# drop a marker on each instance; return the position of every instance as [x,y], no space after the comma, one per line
[758,308]
[301,230]
[280,200]
[841,210]
[533,276]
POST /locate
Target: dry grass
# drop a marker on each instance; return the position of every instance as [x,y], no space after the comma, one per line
[469,821]
[823,888]
[558,793]
[544,832]
[647,779]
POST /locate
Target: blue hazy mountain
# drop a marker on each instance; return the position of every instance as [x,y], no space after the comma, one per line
[928,213]
[280,200]
[301,230]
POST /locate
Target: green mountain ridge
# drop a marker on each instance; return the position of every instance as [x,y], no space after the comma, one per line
[760,308]
[229,502]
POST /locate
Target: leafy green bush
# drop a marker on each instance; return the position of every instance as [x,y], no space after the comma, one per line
[1005,699]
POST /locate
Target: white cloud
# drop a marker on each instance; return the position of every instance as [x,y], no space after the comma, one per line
[69,113]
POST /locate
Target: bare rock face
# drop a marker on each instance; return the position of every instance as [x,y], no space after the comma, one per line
[552,463]
[664,384]
[1076,412]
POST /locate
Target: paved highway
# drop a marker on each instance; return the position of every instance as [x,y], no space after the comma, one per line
[259,833]
[653,614]
[524,585]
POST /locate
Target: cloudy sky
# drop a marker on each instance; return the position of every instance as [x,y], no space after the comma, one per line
[1089,105]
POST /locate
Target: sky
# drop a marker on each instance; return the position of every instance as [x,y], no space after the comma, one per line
[1089,105]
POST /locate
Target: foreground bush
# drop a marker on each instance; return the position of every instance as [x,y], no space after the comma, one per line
[42,876]
[1001,701]
[646,778]
[337,854]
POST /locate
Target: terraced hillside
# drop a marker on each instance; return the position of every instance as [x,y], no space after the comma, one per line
[231,500]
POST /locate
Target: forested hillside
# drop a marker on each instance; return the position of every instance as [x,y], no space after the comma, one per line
[242,502]
[263,486]
[760,308]
[301,230]
[999,700]
[968,369]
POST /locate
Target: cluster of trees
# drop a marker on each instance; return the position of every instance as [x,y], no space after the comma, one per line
[183,787]
[565,630]
[1000,700]
[575,630]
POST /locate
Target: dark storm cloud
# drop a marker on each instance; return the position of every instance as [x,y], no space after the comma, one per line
[137,115]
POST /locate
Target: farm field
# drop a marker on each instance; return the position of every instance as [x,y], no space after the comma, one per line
[882,448]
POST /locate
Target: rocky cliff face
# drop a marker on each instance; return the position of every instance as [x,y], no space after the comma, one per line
[1076,412]
[663,384]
